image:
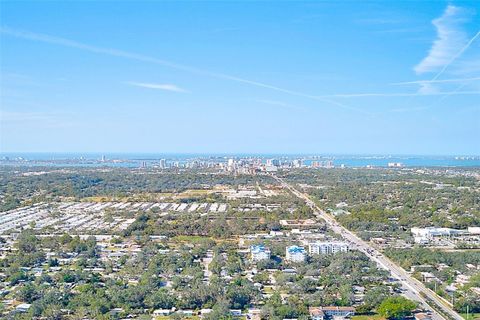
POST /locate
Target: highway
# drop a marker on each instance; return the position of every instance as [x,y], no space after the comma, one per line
[412,287]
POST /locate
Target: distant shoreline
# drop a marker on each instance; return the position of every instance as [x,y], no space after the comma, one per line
[133,160]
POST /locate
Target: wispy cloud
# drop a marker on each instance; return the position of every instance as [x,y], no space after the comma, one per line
[450,43]
[437,81]
[157,86]
[425,92]
[470,65]
[442,97]
[41,119]
[147,59]
[428,91]
[281,104]
[398,30]
[428,88]
[381,21]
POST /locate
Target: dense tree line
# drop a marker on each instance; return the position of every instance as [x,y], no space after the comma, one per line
[389,202]
[78,183]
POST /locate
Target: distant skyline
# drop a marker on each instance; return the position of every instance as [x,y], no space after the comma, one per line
[343,77]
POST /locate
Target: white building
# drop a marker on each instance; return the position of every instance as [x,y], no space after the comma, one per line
[395,164]
[295,254]
[425,235]
[474,230]
[297,163]
[327,247]
[270,168]
[273,162]
[23,307]
[231,165]
[259,253]
[163,163]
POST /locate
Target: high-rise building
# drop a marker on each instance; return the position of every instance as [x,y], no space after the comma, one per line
[231,165]
[297,163]
[163,163]
[273,162]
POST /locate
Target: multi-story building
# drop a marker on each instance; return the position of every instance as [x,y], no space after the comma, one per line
[163,163]
[297,163]
[337,312]
[295,254]
[322,313]
[426,235]
[259,253]
[273,162]
[327,247]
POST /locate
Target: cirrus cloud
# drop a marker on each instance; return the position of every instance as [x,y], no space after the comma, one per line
[158,86]
[450,38]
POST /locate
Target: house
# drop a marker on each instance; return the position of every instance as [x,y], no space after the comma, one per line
[422,316]
[379,240]
[23,307]
[186,313]
[476,290]
[162,312]
[204,312]
[116,311]
[462,279]
[421,267]
[236,312]
[254,314]
[316,313]
[336,312]
[429,277]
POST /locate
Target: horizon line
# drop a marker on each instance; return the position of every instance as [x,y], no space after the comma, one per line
[303,153]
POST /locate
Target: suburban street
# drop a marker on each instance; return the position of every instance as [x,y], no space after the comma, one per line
[412,287]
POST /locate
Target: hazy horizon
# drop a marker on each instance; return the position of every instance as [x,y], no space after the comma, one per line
[286,154]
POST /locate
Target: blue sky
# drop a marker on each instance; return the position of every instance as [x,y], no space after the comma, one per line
[224,77]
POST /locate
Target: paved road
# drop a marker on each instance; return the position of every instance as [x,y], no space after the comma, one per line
[412,286]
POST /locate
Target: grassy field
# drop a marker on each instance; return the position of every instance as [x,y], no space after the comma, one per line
[194,193]
[474,316]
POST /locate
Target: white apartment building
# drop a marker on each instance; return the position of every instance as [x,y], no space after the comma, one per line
[327,247]
[259,253]
[295,254]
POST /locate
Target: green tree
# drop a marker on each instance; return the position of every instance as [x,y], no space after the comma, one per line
[396,307]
